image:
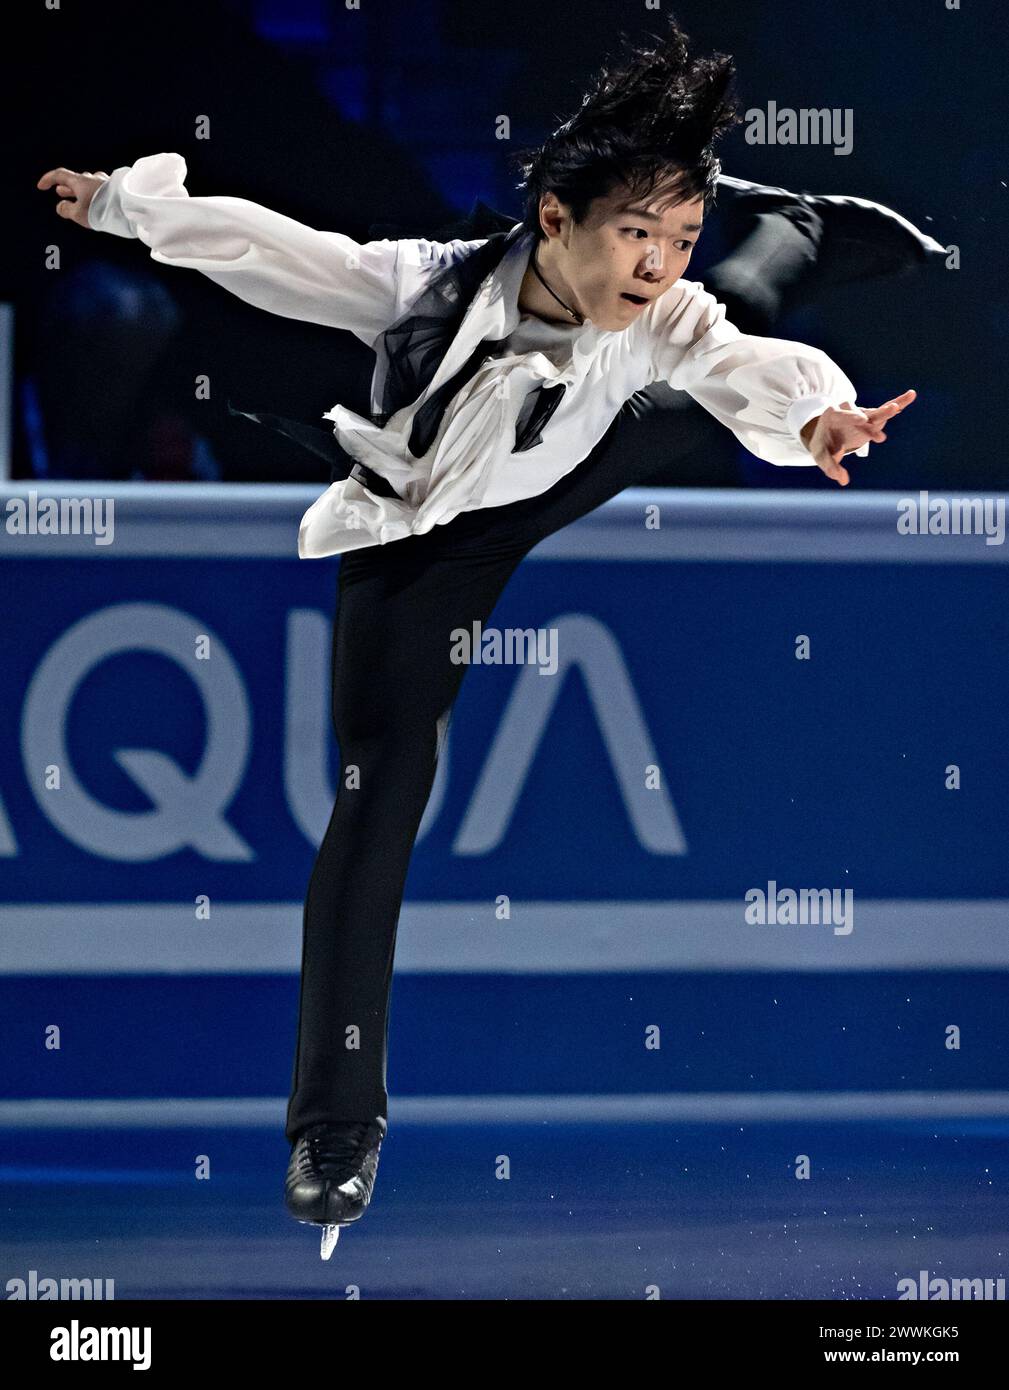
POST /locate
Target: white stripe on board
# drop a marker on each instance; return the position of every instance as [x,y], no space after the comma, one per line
[703,1107]
[260,521]
[541,937]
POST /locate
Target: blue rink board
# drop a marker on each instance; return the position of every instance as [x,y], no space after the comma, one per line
[827,772]
[487,1033]
[822,773]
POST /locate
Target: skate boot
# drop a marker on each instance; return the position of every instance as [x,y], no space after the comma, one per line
[331,1175]
[855,239]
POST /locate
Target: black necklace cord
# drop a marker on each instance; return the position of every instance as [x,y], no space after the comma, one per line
[578,318]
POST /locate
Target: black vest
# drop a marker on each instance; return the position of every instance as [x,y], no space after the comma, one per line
[413,349]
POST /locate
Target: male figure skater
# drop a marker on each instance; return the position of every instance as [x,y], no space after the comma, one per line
[522,379]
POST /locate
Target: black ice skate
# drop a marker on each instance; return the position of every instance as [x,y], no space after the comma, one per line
[855,240]
[331,1175]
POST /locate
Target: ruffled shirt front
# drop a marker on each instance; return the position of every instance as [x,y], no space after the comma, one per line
[763,389]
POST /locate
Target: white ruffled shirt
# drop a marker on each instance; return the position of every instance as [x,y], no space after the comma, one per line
[763,389]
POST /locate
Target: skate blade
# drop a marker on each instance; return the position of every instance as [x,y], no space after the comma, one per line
[330,1235]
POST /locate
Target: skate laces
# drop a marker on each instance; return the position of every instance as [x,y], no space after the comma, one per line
[336,1145]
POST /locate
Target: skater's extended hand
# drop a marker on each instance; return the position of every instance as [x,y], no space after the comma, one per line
[75,192]
[830,436]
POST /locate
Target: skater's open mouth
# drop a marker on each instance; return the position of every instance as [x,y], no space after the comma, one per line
[634,298]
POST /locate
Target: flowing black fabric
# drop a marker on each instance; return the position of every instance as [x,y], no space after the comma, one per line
[481,221]
[323,443]
[414,346]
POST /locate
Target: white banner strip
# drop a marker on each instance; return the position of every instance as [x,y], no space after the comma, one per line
[540,937]
[702,1107]
[260,521]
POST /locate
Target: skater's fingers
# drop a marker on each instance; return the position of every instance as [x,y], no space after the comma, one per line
[75,191]
[871,430]
[834,469]
[849,432]
[848,410]
[54,176]
[896,405]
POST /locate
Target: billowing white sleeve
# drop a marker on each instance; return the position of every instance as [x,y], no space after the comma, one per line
[261,256]
[763,389]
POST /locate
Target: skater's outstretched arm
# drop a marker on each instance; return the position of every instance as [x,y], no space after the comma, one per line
[786,402]
[261,256]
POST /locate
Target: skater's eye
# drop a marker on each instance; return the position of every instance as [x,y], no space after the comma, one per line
[684,246]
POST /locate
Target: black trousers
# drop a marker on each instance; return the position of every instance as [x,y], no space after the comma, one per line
[393,687]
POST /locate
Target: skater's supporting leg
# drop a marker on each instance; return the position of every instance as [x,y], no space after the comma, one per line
[393,686]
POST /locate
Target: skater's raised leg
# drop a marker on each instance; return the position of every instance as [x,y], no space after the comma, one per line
[789,247]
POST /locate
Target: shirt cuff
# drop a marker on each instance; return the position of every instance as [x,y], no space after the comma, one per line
[803,410]
[807,408]
[105,213]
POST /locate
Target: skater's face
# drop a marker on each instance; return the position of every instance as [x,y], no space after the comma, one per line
[620,259]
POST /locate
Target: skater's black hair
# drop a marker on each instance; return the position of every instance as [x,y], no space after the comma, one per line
[649,121]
